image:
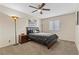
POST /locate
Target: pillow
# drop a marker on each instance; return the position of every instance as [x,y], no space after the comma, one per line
[30,31]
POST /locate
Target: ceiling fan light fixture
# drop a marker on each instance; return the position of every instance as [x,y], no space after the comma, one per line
[39,10]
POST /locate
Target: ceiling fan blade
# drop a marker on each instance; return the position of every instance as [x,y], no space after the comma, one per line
[34,11]
[46,9]
[33,7]
[41,12]
[42,5]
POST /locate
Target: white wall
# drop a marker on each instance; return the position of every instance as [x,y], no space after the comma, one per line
[67,26]
[6,30]
[77,36]
[77,31]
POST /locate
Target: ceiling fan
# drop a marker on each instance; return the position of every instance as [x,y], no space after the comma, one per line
[40,8]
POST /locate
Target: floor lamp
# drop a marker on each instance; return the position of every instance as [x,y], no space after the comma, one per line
[14,18]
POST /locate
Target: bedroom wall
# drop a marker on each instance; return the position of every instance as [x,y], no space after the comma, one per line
[67,26]
[77,30]
[77,36]
[7,25]
[6,30]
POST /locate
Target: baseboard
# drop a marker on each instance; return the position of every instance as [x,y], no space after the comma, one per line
[66,40]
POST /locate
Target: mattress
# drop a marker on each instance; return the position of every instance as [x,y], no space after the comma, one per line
[40,34]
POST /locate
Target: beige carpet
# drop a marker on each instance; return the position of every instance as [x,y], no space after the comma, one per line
[32,48]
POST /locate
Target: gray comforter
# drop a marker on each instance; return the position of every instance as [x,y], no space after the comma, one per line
[43,38]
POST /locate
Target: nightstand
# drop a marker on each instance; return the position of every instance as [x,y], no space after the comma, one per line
[23,39]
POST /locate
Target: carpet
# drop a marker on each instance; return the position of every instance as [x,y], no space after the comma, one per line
[33,48]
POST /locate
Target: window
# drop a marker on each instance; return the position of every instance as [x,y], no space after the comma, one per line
[54,25]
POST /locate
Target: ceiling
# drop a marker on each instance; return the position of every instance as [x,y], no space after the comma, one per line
[56,8]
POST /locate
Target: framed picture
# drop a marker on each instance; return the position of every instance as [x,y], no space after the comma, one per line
[32,23]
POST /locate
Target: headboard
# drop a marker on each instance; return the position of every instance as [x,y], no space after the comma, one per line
[32,30]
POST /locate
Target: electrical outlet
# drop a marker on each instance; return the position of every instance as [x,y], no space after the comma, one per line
[9,41]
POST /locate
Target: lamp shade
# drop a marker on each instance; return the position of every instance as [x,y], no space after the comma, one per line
[14,18]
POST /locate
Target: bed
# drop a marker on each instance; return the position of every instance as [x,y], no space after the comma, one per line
[46,39]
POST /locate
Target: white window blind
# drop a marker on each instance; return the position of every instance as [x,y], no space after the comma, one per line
[54,25]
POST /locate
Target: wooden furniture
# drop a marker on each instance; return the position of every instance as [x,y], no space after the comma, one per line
[23,39]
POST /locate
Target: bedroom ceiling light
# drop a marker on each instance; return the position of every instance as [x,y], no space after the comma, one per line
[14,18]
[39,10]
